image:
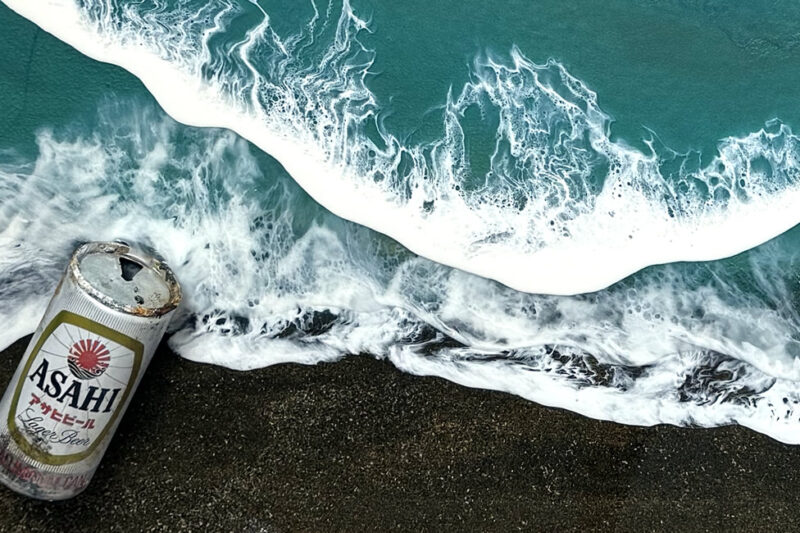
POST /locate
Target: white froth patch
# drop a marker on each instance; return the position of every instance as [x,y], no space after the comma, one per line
[651,401]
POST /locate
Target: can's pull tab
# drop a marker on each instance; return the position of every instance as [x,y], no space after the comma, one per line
[129,268]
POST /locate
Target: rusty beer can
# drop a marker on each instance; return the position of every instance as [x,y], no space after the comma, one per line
[80,370]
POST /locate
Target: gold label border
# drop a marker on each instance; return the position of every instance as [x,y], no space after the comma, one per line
[66,317]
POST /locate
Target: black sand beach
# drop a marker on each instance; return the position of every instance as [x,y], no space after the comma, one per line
[359,446]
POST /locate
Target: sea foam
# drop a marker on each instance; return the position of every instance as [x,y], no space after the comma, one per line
[270,276]
[563,209]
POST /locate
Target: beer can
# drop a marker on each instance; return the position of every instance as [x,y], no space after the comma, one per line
[81,368]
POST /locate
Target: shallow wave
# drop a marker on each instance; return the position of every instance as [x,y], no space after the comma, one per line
[269,276]
[549,204]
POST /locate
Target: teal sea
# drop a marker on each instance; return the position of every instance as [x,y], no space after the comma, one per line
[592,205]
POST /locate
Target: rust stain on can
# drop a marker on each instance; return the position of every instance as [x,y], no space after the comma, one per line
[126,251]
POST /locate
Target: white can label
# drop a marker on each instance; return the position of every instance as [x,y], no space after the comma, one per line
[74,383]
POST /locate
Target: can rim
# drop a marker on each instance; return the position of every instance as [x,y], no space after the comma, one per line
[125,250]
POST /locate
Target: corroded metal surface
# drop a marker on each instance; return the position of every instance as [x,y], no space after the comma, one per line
[133,254]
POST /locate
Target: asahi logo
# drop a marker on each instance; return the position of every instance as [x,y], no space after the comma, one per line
[88,359]
[76,379]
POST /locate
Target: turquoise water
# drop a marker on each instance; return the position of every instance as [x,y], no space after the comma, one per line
[553,165]
[693,72]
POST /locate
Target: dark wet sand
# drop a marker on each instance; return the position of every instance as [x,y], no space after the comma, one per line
[359,446]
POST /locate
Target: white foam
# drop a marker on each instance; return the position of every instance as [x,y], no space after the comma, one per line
[593,241]
[262,286]
[653,400]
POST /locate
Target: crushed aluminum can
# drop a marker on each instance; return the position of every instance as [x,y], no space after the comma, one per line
[80,370]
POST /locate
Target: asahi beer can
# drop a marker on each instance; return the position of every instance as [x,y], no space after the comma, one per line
[81,368]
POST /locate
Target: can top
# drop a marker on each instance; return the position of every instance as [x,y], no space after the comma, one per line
[125,279]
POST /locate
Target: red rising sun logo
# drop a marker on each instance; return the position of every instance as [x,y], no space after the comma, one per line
[87,359]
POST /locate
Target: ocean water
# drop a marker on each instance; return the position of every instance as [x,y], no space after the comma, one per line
[590,205]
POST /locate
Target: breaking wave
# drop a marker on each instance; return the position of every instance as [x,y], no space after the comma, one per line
[521,184]
[270,276]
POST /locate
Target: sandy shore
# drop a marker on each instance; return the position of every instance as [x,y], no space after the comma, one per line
[360,446]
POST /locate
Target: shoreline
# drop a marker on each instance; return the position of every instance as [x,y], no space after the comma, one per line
[358,445]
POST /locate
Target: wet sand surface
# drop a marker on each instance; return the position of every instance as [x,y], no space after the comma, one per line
[359,446]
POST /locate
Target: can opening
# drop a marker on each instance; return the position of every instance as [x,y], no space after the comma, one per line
[125,278]
[129,268]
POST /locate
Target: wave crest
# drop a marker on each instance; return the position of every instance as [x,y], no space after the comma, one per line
[523,183]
